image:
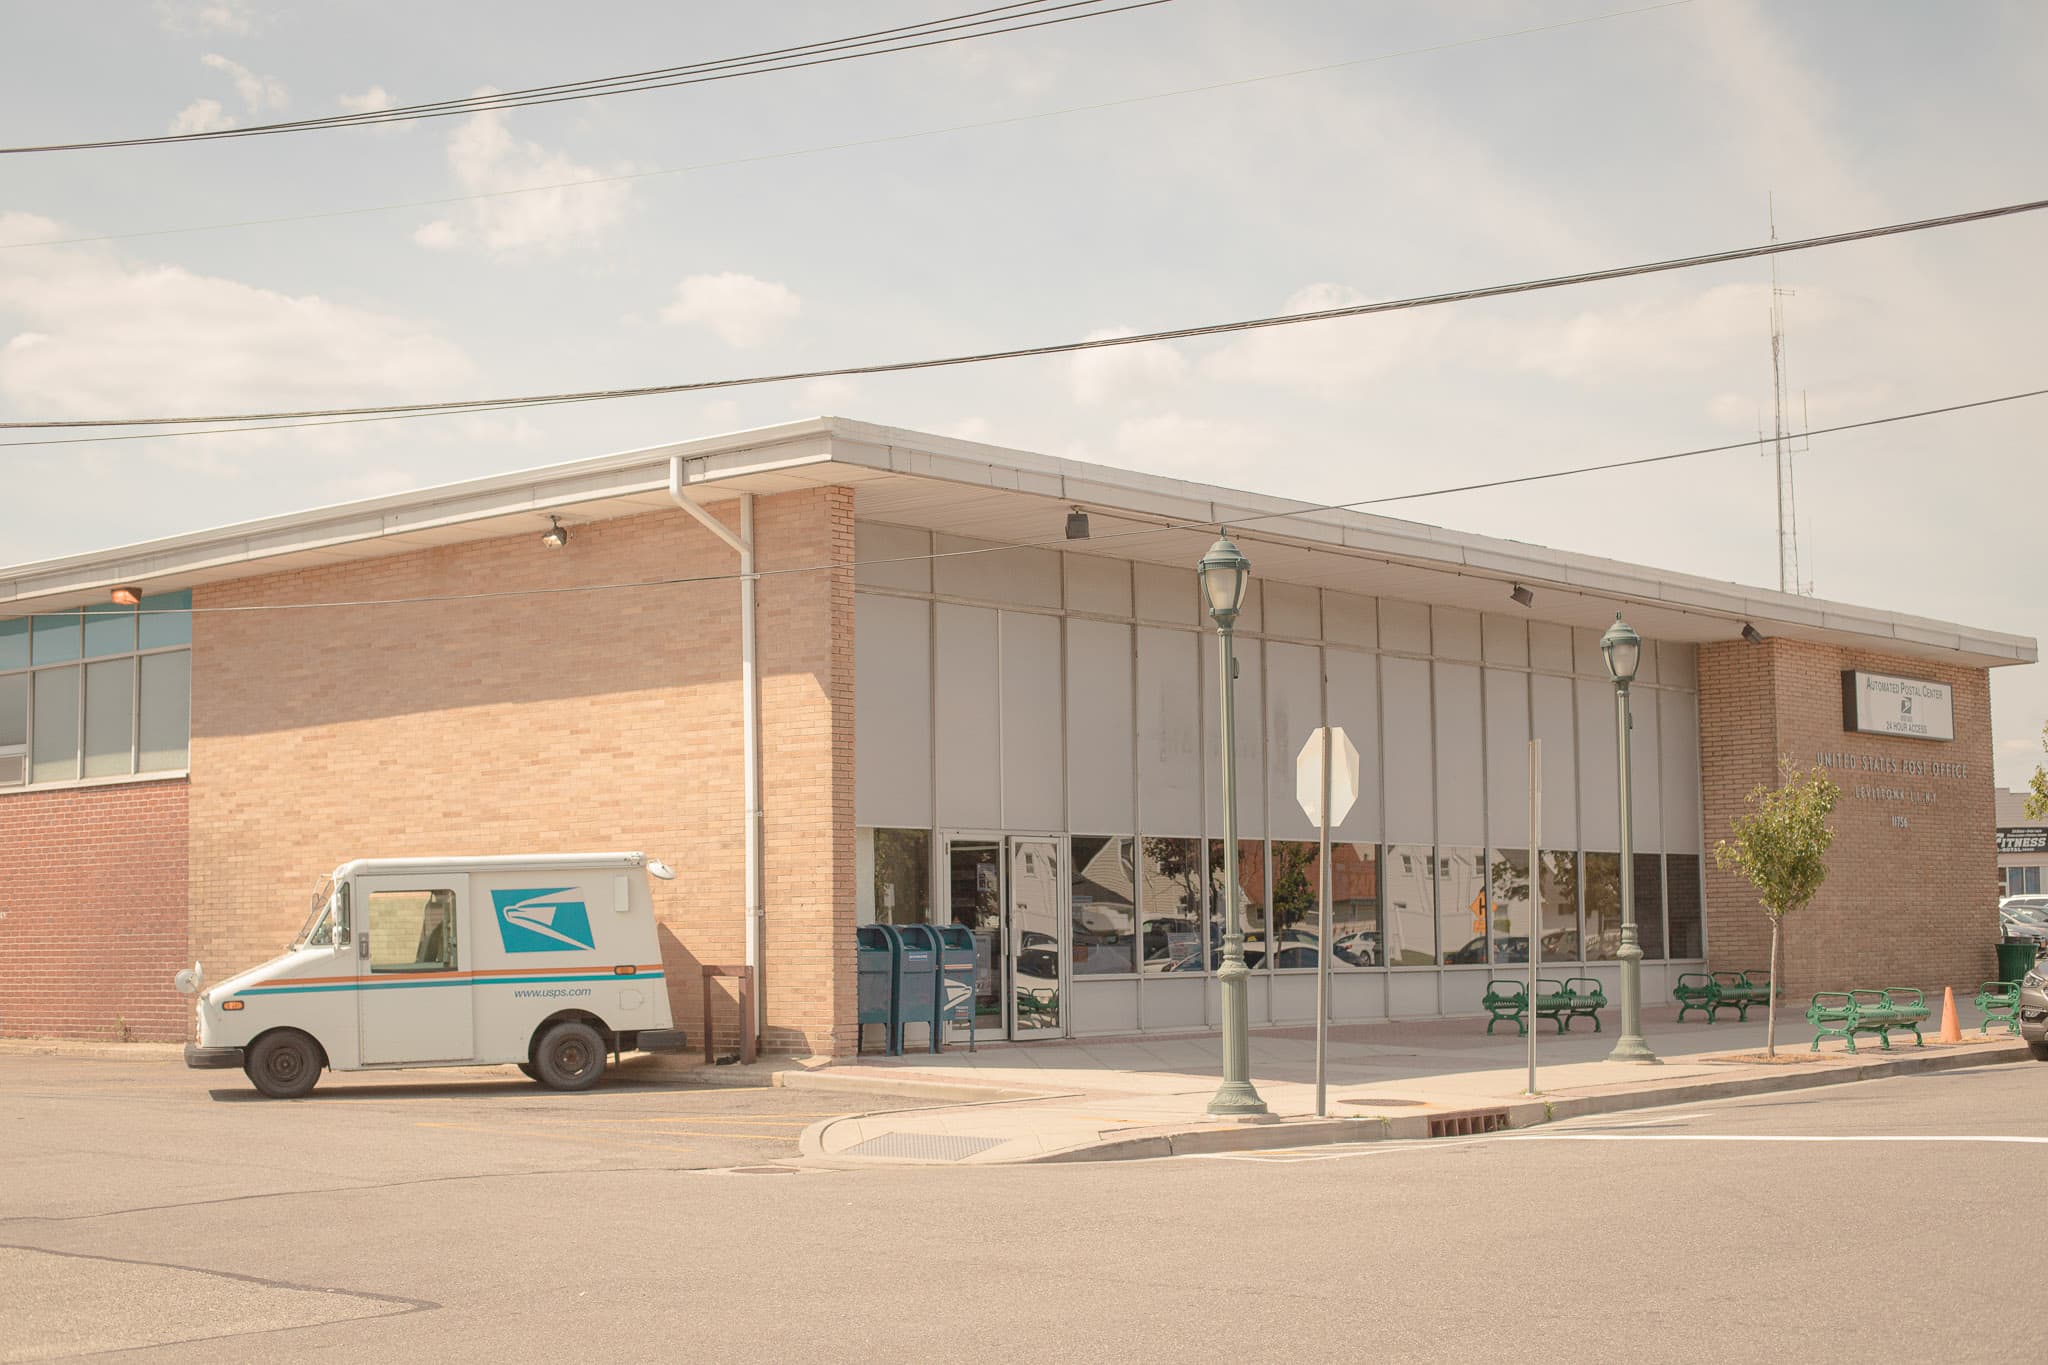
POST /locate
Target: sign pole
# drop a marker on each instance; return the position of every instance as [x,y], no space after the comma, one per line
[1323,937]
[1535,896]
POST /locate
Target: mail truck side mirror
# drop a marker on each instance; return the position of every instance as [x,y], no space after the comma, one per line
[341,924]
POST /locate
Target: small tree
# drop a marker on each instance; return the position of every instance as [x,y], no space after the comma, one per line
[1781,845]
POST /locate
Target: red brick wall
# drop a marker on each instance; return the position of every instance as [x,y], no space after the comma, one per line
[92,912]
[553,723]
[1903,905]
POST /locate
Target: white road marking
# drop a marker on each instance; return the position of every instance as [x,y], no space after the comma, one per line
[1637,1123]
[1767,1137]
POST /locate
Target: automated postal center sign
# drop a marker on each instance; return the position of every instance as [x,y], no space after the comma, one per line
[1911,708]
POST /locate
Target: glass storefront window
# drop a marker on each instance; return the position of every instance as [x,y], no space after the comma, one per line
[1683,906]
[1603,906]
[1297,871]
[1104,904]
[1461,905]
[1355,905]
[165,716]
[1507,885]
[55,749]
[1251,882]
[1559,877]
[109,718]
[894,868]
[1649,894]
[2019,881]
[1170,902]
[1411,905]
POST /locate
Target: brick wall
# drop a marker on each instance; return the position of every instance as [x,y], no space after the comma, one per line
[555,723]
[92,912]
[1903,905]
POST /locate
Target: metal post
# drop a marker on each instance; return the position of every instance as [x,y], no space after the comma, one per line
[1535,896]
[1235,1097]
[1629,1047]
[1323,939]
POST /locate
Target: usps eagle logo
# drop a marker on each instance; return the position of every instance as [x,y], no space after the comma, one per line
[540,921]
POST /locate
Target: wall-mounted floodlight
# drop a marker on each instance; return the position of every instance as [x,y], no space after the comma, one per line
[1752,634]
[1077,525]
[126,596]
[1523,595]
[556,536]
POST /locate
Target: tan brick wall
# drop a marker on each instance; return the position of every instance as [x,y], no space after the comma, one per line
[92,912]
[1902,906]
[548,723]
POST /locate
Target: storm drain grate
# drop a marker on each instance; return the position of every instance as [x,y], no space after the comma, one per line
[923,1146]
[1467,1125]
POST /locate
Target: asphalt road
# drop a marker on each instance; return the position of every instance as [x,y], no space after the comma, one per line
[449,1222]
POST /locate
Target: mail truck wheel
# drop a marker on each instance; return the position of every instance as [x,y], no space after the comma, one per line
[570,1056]
[284,1065]
[531,1072]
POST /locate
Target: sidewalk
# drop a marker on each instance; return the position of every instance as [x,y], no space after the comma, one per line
[1108,1099]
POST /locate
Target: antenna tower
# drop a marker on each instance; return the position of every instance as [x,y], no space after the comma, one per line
[1781,446]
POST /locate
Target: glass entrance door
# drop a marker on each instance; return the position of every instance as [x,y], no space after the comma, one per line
[974,895]
[1035,925]
[1007,891]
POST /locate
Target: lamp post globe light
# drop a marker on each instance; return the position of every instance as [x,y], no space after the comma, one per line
[1225,574]
[1622,648]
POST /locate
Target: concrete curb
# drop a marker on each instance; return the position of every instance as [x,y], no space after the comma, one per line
[1524,1113]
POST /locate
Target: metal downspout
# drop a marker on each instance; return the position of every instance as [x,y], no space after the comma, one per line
[750,714]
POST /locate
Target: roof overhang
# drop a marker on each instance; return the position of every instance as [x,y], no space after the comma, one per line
[1009,497]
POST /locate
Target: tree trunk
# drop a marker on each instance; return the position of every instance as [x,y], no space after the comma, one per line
[1771,998]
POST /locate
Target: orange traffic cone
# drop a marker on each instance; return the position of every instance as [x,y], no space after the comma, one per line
[1951,1027]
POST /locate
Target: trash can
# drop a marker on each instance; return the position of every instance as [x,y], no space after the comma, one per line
[877,949]
[956,968]
[917,984]
[2016,959]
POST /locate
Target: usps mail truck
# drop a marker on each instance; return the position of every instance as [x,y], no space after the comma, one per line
[547,962]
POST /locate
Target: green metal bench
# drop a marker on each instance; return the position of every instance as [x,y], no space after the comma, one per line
[1585,999]
[1738,991]
[2000,1003]
[1507,1002]
[1844,1014]
[1694,991]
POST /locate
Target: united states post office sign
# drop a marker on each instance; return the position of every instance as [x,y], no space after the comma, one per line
[1912,708]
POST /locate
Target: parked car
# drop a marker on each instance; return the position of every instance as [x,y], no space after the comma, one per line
[2034,1009]
[2022,921]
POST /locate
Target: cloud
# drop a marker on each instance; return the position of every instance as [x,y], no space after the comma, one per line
[201,116]
[371,101]
[1331,359]
[94,334]
[258,92]
[968,429]
[1197,448]
[439,235]
[738,309]
[822,395]
[207,16]
[488,159]
[1123,373]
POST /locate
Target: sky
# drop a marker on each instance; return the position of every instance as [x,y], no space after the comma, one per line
[1174,165]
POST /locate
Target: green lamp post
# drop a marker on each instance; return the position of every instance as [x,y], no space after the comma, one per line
[1623,650]
[1225,574]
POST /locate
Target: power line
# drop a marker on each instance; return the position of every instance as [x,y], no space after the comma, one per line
[1163,528]
[881,141]
[1060,348]
[882,42]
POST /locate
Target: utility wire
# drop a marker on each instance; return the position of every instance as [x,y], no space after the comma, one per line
[881,141]
[1067,347]
[1036,14]
[1155,530]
